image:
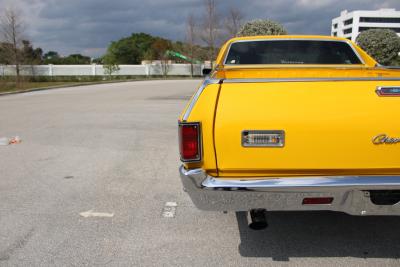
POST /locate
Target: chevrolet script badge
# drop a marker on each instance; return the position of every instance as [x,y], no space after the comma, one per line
[384,139]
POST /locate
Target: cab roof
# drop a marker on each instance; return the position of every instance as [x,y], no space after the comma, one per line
[369,61]
[311,37]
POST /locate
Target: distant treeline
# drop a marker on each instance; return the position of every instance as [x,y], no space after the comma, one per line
[143,46]
[128,50]
[34,56]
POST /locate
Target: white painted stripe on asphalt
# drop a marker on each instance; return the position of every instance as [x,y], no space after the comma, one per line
[91,213]
[169,209]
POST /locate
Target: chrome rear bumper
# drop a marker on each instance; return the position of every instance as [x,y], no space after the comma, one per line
[351,194]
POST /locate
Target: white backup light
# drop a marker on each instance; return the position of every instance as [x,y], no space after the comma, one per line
[263,138]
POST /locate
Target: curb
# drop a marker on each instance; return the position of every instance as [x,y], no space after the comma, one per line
[83,84]
[45,88]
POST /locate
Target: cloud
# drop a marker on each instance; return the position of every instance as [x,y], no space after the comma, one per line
[77,26]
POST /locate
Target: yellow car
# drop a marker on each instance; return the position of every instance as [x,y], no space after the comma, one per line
[294,123]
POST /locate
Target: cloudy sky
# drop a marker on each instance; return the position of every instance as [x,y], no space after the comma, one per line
[88,26]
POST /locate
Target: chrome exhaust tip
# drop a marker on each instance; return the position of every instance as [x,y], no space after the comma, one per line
[258,219]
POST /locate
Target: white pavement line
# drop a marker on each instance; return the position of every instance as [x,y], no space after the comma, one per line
[91,213]
[169,209]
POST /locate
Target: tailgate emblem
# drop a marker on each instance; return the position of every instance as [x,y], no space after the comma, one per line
[388,90]
[384,139]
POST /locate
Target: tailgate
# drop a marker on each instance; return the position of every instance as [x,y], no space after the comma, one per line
[328,128]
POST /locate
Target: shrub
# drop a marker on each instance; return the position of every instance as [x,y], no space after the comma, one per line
[381,44]
[262,27]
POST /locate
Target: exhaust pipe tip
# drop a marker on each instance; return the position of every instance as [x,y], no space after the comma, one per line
[258,219]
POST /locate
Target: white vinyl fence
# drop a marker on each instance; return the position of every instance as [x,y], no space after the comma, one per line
[98,70]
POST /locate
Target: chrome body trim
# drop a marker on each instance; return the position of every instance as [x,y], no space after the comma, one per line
[205,83]
[379,91]
[350,193]
[293,39]
[302,66]
[306,183]
[332,79]
[390,67]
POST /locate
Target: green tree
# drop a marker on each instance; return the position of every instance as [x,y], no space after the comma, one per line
[51,57]
[98,60]
[160,47]
[30,55]
[110,65]
[396,61]
[132,49]
[149,55]
[262,27]
[76,59]
[381,44]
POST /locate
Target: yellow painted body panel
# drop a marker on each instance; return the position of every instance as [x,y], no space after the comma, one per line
[329,127]
[204,112]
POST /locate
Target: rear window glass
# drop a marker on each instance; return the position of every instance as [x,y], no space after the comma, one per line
[291,52]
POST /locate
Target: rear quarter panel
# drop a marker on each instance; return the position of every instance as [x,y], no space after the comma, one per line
[204,112]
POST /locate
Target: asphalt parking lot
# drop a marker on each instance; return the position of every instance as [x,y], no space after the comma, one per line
[95,183]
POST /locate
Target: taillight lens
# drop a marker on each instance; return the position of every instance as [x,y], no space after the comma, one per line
[189,142]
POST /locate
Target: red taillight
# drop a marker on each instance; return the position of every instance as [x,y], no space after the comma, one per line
[189,141]
[317,200]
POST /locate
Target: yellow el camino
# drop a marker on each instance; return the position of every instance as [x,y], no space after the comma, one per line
[293,123]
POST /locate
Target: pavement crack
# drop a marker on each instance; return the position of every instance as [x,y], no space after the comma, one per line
[18,244]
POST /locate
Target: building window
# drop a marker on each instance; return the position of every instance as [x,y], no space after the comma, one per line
[348,22]
[334,33]
[335,26]
[380,20]
[347,31]
[361,29]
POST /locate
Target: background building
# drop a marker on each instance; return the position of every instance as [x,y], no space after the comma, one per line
[350,24]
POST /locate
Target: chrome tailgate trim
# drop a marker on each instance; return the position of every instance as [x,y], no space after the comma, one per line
[304,183]
[322,79]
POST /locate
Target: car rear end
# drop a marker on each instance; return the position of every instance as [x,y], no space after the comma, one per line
[287,139]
